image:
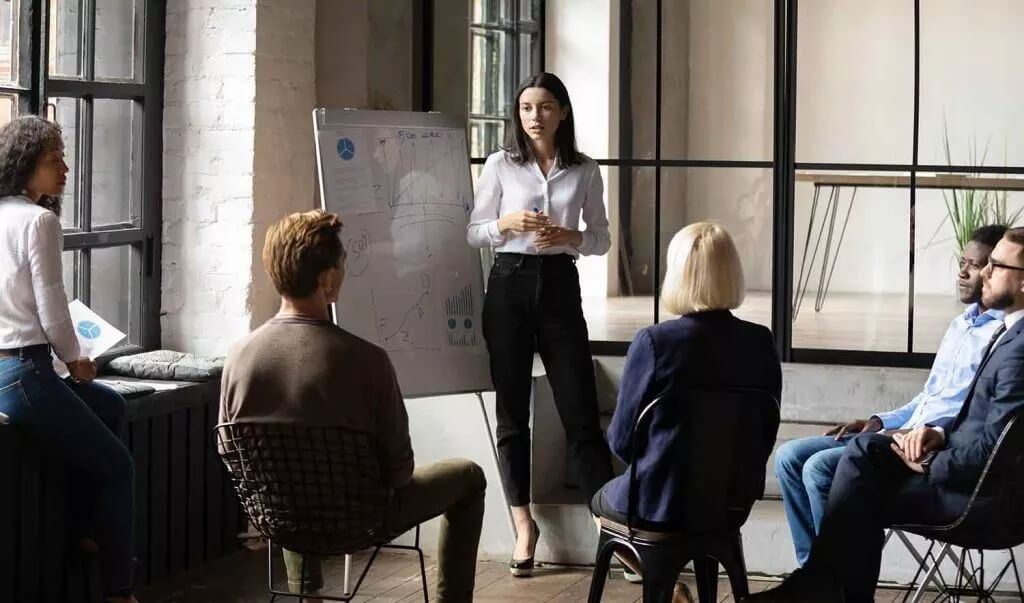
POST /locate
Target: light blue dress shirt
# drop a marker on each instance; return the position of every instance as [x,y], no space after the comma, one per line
[956,362]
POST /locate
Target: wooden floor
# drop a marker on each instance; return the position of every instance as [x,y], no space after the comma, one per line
[395,577]
[847,321]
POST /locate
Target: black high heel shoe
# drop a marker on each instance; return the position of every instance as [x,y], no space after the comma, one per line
[523,568]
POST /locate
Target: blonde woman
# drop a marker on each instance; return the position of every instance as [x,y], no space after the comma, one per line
[705,347]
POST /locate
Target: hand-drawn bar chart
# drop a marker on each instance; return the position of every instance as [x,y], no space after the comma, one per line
[459,308]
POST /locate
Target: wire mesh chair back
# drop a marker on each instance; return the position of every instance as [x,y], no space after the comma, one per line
[313,490]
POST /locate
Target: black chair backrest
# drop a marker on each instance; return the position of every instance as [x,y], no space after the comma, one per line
[726,437]
[314,490]
[994,511]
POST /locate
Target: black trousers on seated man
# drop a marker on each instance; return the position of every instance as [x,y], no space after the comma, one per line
[874,489]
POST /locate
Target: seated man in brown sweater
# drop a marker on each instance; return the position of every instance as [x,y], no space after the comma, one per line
[301,368]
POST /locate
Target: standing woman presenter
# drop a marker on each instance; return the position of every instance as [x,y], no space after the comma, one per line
[529,200]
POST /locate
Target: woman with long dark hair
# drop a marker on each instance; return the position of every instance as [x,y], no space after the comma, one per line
[78,418]
[529,200]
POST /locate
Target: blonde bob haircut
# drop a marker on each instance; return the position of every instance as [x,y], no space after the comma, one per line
[704,271]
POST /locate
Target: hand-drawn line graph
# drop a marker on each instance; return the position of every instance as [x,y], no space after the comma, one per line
[402,319]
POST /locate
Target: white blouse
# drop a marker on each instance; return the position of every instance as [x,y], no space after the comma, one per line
[506,187]
[33,305]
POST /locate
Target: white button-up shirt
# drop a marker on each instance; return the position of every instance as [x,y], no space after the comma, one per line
[33,305]
[565,195]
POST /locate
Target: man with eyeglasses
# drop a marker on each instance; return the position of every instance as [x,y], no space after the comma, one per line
[925,476]
[805,466]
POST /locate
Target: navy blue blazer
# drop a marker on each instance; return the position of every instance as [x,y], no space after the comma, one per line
[996,394]
[708,349]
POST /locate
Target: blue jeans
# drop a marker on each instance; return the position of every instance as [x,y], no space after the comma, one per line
[82,422]
[804,468]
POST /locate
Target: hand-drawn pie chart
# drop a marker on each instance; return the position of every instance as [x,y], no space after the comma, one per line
[346,149]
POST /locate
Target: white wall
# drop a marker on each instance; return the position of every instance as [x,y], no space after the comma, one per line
[579,51]
[232,67]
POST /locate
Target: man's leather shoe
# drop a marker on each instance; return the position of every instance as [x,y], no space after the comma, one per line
[801,587]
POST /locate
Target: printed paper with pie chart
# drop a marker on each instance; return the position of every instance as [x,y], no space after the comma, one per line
[95,335]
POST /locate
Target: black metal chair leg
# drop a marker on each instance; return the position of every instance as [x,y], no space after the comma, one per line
[423,566]
[602,563]
[1016,574]
[730,554]
[661,567]
[706,570]
[270,571]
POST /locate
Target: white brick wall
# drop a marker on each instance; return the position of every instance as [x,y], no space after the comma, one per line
[285,165]
[237,154]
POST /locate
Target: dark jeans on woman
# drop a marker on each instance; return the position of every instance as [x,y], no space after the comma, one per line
[82,422]
[533,305]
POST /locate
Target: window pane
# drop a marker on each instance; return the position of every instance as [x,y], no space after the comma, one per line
[529,53]
[112,286]
[970,83]
[618,287]
[68,259]
[937,248]
[613,99]
[65,37]
[9,11]
[492,64]
[8,106]
[485,136]
[492,12]
[65,112]
[720,103]
[855,82]
[112,160]
[851,254]
[529,10]
[115,32]
[738,199]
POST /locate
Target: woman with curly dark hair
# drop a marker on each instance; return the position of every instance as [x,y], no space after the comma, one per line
[77,417]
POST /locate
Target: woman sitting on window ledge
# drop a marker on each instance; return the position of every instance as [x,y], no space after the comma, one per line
[78,418]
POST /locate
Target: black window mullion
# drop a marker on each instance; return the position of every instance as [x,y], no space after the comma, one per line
[84,160]
[83,275]
[87,40]
[657,168]
[59,86]
[33,40]
[103,238]
[151,169]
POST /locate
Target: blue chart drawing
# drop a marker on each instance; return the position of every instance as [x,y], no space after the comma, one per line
[88,329]
[346,149]
[459,309]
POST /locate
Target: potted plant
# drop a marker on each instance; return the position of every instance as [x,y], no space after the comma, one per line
[969,209]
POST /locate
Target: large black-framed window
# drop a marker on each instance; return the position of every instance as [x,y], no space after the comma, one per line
[506,45]
[96,68]
[832,153]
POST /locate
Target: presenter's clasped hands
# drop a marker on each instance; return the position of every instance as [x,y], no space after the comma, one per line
[523,221]
[556,236]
